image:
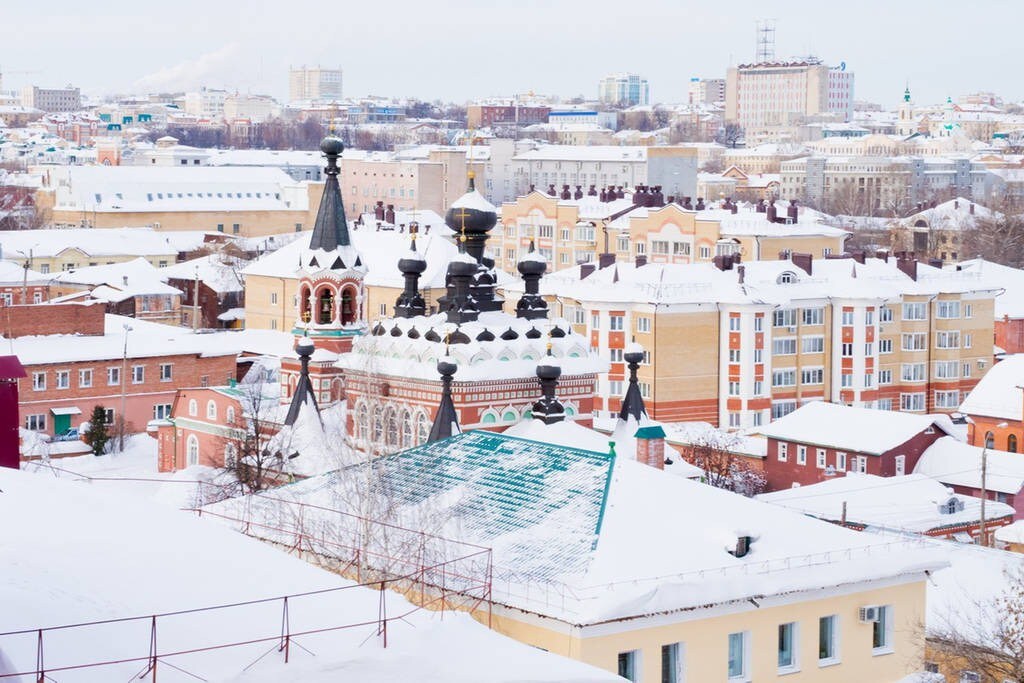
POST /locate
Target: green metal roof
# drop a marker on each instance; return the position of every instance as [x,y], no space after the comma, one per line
[652,432]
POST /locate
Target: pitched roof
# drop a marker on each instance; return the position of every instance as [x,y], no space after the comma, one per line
[330,230]
[833,425]
[959,464]
[999,394]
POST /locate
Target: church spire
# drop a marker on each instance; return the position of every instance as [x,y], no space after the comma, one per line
[548,409]
[446,422]
[331,230]
[410,302]
[303,388]
[633,402]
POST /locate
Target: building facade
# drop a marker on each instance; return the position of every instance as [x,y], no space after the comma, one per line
[314,83]
[624,89]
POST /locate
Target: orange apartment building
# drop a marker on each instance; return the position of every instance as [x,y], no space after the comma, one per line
[740,344]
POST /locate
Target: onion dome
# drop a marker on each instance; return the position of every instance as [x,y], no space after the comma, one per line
[413,333]
[458,337]
[532,263]
[378,330]
[412,261]
[549,367]
[634,353]
[396,331]
[534,333]
[332,145]
[485,336]
[446,367]
[509,334]
[471,213]
[557,332]
[432,335]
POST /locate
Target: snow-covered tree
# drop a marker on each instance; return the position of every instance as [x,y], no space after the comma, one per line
[97,435]
[715,452]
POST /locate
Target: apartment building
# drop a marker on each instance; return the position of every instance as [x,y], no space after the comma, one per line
[644,224]
[706,90]
[206,103]
[506,112]
[740,344]
[624,89]
[769,94]
[674,168]
[314,83]
[51,99]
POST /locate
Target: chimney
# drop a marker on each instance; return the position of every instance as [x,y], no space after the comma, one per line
[641,261]
[858,255]
[792,212]
[734,209]
[722,262]
[565,192]
[605,260]
[378,211]
[124,280]
[551,190]
[592,192]
[604,195]
[935,262]
[972,208]
[687,204]
[650,446]
[532,187]
[882,254]
[760,207]
[700,204]
[803,261]
[956,203]
[579,192]
[741,273]
[620,194]
[907,265]
[586,269]
[389,215]
[770,212]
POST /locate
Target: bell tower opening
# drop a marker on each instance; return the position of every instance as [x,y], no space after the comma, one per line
[325,304]
[348,306]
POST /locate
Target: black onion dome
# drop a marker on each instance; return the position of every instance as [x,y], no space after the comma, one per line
[458,337]
[471,212]
[396,331]
[413,333]
[533,333]
[378,330]
[531,265]
[557,332]
[332,145]
[412,266]
[633,356]
[485,336]
[509,334]
[432,335]
[446,368]
[548,368]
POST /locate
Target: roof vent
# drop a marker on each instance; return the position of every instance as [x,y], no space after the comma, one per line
[742,547]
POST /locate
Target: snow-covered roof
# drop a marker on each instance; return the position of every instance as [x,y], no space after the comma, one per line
[613,153]
[99,242]
[956,463]
[999,393]
[698,432]
[955,214]
[119,281]
[862,430]
[263,157]
[912,502]
[93,554]
[1011,533]
[596,548]
[15,273]
[170,188]
[220,272]
[1010,302]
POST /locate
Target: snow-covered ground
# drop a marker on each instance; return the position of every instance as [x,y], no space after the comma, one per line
[74,552]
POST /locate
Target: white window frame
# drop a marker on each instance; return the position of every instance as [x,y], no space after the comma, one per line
[885,625]
[794,648]
[744,647]
[833,659]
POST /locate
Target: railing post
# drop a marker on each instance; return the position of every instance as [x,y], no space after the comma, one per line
[384,613]
[40,666]
[285,631]
[152,649]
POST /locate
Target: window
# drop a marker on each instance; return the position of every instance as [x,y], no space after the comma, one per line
[784,318]
[801,455]
[138,374]
[229,415]
[847,350]
[615,355]
[967,341]
[881,635]
[885,376]
[869,349]
[643,324]
[869,316]
[947,310]
[782,408]
[165,372]
[812,344]
[758,323]
[901,465]
[85,379]
[885,346]
[784,347]
[949,339]
[885,314]
[912,372]
[235,227]
[846,380]
[629,665]
[734,419]
[758,387]
[828,640]
[739,644]
[38,381]
[912,401]
[968,310]
[787,647]
[914,341]
[161,411]
[784,378]
[847,317]
[63,379]
[595,321]
[947,369]
[734,355]
[734,323]
[672,663]
[947,399]
[783,452]
[758,355]
[113,376]
[615,387]
[813,316]
[841,461]
[1011,443]
[734,388]
[884,403]
[822,457]
[615,322]
[915,311]
[273,298]
[812,376]
[966,370]
[645,389]
[192,450]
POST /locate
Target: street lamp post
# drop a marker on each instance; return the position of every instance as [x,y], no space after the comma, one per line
[122,425]
[984,487]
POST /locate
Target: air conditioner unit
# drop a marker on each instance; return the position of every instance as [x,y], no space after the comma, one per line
[869,614]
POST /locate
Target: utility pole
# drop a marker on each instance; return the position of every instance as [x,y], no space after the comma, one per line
[843,519]
[195,302]
[123,425]
[984,494]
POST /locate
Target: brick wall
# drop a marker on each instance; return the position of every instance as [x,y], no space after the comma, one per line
[20,321]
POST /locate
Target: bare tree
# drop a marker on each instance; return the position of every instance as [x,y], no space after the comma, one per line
[987,638]
[251,450]
[729,135]
[997,237]
[716,452]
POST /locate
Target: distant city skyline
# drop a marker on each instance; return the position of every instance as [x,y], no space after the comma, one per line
[467,51]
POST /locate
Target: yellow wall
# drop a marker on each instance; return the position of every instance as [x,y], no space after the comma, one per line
[706,640]
[74,258]
[251,223]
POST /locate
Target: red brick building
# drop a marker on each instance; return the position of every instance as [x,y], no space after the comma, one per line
[77,357]
[822,440]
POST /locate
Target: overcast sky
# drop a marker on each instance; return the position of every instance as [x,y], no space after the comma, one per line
[461,50]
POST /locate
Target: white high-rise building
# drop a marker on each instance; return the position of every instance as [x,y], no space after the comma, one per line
[706,90]
[783,93]
[624,89]
[314,84]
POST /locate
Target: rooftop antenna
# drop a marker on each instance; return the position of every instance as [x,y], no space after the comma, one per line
[764,49]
